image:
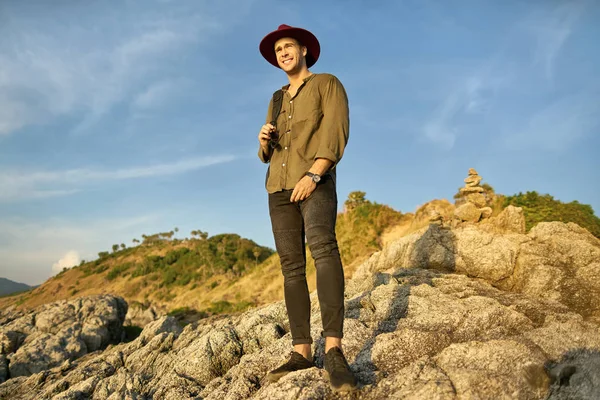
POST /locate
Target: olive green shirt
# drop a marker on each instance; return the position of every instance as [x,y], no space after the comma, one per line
[312,124]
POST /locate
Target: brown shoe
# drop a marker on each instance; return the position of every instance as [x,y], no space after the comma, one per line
[295,363]
[341,377]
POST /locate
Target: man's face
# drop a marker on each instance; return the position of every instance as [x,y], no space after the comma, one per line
[290,55]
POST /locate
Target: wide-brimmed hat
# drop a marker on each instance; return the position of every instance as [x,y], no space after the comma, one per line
[306,38]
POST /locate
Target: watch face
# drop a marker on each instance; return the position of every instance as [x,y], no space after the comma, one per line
[316,178]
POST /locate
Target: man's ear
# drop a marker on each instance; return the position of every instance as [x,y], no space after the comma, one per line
[304,51]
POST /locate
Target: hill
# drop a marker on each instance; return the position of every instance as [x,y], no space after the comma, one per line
[163,272]
[201,276]
[8,287]
[206,275]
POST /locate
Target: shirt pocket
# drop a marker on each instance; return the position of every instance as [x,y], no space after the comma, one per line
[306,136]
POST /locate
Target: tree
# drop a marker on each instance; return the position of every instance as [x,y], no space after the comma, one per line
[256,252]
[355,199]
[135,241]
[123,246]
[115,248]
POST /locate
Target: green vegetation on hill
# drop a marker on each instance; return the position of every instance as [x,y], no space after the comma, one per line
[544,208]
[192,260]
[359,229]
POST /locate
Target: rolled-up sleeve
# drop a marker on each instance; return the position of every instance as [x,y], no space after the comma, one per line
[261,154]
[335,124]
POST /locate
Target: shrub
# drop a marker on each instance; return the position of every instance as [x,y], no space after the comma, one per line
[544,208]
[117,270]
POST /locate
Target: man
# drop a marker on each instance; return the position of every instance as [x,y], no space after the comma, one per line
[302,146]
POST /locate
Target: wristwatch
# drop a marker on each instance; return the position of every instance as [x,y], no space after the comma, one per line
[316,178]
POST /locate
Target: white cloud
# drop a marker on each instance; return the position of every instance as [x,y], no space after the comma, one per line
[469,98]
[67,261]
[54,238]
[156,94]
[551,29]
[558,125]
[48,71]
[38,184]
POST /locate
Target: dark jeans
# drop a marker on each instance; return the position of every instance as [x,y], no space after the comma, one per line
[315,217]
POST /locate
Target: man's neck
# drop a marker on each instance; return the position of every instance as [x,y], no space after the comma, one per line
[297,78]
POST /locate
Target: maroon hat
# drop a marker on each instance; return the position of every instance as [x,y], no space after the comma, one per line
[267,45]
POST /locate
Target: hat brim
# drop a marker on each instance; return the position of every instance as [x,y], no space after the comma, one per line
[306,38]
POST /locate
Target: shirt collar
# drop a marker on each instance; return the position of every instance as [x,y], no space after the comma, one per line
[304,81]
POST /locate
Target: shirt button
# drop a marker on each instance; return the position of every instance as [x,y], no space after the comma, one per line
[289,116]
[291,101]
[285,148]
[283,165]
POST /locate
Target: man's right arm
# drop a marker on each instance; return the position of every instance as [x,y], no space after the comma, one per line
[264,150]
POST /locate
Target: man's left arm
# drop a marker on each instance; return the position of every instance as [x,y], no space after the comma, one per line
[334,133]
[334,129]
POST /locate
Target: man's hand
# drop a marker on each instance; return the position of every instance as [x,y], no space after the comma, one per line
[264,136]
[303,189]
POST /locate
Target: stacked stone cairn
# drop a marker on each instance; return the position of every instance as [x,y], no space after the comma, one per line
[436,218]
[475,208]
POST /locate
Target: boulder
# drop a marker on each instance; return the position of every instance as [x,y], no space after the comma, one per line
[477,199]
[65,330]
[510,220]
[468,212]
[140,315]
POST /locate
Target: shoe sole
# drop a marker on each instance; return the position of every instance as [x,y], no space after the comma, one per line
[275,377]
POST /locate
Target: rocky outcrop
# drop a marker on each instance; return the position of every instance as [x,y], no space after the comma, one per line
[440,314]
[53,333]
[554,260]
[141,315]
[409,333]
[510,220]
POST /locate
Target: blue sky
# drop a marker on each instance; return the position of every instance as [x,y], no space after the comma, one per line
[119,118]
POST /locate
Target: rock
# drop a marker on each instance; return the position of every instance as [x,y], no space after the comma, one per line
[436,218]
[575,375]
[42,351]
[560,262]
[511,219]
[477,199]
[472,180]
[140,315]
[472,171]
[65,330]
[435,208]
[555,261]
[468,212]
[486,212]
[469,189]
[491,369]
